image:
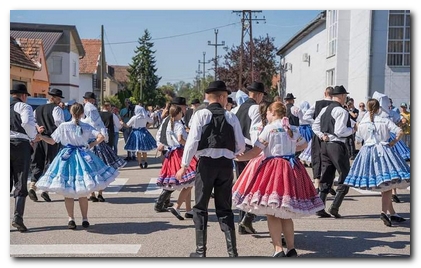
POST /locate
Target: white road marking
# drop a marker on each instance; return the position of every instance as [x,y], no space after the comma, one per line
[153,188]
[116,186]
[366,192]
[65,249]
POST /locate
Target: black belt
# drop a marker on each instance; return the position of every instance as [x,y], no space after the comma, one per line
[19,139]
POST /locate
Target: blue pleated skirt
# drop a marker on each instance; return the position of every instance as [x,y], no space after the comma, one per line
[400,148]
[306,132]
[378,168]
[108,156]
[76,173]
[140,140]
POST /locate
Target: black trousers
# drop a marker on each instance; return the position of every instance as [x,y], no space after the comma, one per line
[216,175]
[316,159]
[20,159]
[43,156]
[334,158]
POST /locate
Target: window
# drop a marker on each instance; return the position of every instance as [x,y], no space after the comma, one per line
[332,33]
[57,61]
[399,38]
[330,77]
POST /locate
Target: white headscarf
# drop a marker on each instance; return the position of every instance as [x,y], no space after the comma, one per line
[140,112]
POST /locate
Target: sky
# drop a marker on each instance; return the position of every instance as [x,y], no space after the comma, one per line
[180,37]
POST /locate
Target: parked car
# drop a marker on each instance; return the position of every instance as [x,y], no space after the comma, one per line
[35,102]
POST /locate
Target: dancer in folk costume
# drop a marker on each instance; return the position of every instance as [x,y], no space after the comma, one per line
[400,147]
[176,136]
[102,150]
[280,187]
[140,139]
[377,167]
[76,171]
[305,131]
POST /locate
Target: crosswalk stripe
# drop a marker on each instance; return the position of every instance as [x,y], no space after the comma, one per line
[152,187]
[116,186]
[65,249]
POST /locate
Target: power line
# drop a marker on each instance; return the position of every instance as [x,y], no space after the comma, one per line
[174,36]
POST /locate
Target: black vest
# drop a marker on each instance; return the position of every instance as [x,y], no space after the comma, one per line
[188,116]
[163,136]
[293,120]
[244,118]
[327,122]
[15,119]
[107,118]
[319,106]
[218,133]
[44,117]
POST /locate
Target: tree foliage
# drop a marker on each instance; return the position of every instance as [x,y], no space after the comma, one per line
[264,63]
[143,80]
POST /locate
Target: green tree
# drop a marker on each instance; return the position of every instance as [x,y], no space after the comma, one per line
[143,80]
[114,100]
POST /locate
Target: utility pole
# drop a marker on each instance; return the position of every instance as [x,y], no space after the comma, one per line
[246,28]
[216,50]
[101,77]
[198,76]
[204,63]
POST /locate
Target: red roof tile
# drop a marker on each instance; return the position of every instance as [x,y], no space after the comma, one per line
[121,73]
[89,63]
[19,58]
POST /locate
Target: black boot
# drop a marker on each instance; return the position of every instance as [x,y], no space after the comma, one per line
[160,203]
[322,213]
[341,191]
[231,243]
[247,223]
[201,238]
[18,217]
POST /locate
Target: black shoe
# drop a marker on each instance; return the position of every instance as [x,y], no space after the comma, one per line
[93,198]
[145,165]
[241,230]
[332,191]
[188,215]
[292,253]
[101,198]
[323,214]
[168,205]
[158,209]
[18,223]
[397,219]
[335,213]
[32,195]
[45,196]
[248,229]
[280,254]
[385,219]
[71,225]
[85,224]
[197,255]
[395,198]
[176,213]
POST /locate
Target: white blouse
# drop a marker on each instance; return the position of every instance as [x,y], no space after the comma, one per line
[279,142]
[377,132]
[172,135]
[68,133]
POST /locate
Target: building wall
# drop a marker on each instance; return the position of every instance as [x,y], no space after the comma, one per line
[23,75]
[392,81]
[85,85]
[307,81]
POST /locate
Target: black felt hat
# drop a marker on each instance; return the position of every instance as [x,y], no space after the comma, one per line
[217,86]
[195,101]
[56,92]
[257,87]
[89,95]
[19,89]
[179,101]
[289,96]
[339,90]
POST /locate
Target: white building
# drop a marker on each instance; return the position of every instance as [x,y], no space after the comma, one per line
[363,50]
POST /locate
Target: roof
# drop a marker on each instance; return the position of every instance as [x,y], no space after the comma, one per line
[89,63]
[32,48]
[19,58]
[49,33]
[49,38]
[121,73]
[321,18]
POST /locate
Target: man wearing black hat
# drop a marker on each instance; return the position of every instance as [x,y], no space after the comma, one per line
[163,200]
[249,115]
[333,126]
[23,131]
[289,102]
[50,116]
[215,138]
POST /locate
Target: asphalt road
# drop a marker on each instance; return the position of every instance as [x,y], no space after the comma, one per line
[125,225]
